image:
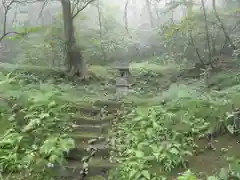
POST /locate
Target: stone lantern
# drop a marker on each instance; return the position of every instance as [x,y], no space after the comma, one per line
[122,86]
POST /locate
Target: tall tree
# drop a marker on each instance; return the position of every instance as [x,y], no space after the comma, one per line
[74,59]
[100,23]
[125,17]
[148,4]
[207,33]
[70,9]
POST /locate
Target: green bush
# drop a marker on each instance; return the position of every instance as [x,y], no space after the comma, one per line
[162,137]
[37,129]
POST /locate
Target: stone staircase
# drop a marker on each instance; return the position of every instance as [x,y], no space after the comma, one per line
[90,131]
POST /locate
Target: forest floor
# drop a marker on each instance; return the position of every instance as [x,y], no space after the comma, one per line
[176,91]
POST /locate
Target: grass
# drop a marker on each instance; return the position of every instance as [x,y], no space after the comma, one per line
[190,103]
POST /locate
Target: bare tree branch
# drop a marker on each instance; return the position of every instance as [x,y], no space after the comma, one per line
[207,34]
[196,49]
[15,15]
[7,5]
[8,33]
[42,9]
[149,10]
[222,25]
[79,9]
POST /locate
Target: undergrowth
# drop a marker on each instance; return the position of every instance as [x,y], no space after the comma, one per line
[154,140]
[151,142]
[37,125]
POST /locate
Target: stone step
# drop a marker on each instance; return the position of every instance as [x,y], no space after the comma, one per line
[108,104]
[83,120]
[86,137]
[90,111]
[84,149]
[111,104]
[90,128]
[96,167]
[97,110]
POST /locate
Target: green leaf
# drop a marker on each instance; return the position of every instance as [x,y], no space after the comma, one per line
[150,158]
[138,175]
[174,151]
[132,173]
[66,144]
[44,115]
[53,158]
[31,125]
[224,173]
[212,178]
[187,175]
[139,154]
[51,104]
[149,132]
[146,174]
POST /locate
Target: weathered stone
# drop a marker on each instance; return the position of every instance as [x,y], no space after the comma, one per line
[81,138]
[82,150]
[108,104]
[121,88]
[89,125]
[92,120]
[74,168]
[87,128]
[91,111]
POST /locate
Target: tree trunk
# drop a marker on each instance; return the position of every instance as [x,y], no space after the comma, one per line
[207,34]
[150,13]
[157,15]
[74,60]
[125,17]
[104,55]
[188,13]
[196,50]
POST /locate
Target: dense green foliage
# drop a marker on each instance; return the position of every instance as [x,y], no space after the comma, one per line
[163,137]
[184,87]
[37,121]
